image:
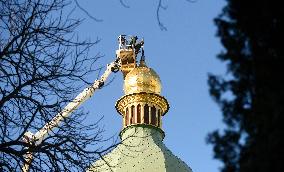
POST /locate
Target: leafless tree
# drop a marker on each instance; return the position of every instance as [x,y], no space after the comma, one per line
[43,65]
[161,6]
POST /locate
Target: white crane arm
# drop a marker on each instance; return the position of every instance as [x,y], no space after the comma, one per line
[38,137]
[83,96]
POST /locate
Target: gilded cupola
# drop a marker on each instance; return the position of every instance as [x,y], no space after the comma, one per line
[142,79]
[142,103]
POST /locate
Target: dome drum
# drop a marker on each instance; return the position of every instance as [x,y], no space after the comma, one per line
[142,113]
[142,108]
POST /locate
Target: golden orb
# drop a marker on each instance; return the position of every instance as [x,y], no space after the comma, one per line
[142,79]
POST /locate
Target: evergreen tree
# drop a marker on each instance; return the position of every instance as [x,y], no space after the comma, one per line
[251,95]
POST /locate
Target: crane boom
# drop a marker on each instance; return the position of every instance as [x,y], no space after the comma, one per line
[88,92]
[78,100]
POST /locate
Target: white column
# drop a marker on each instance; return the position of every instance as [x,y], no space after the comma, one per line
[142,112]
[150,113]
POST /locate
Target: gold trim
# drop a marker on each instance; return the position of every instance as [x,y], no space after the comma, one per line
[143,98]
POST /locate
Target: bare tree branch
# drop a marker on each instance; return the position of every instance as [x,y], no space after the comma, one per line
[87,13]
[160,7]
[124,4]
[43,65]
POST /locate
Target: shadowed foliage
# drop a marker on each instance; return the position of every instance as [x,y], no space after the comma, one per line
[251,95]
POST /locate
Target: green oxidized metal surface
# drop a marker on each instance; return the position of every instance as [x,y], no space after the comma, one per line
[142,150]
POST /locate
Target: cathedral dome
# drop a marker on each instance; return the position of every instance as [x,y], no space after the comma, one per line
[142,79]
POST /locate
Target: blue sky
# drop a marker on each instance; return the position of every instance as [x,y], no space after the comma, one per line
[182,56]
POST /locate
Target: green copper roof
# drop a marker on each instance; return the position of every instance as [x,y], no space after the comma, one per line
[142,150]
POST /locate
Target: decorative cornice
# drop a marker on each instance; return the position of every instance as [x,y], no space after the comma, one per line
[143,97]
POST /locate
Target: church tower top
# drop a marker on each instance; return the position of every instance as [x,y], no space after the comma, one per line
[142,103]
[142,107]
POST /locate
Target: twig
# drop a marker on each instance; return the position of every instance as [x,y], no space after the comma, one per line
[124,4]
[160,6]
[86,12]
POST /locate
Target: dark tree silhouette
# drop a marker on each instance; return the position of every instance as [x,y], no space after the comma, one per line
[43,65]
[251,95]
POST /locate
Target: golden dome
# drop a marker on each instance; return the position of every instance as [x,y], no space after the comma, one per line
[142,79]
